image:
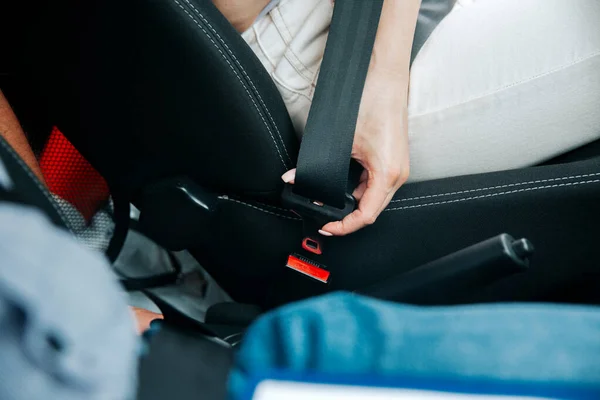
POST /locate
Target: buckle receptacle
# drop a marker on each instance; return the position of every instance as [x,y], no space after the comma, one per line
[313,208]
[315,215]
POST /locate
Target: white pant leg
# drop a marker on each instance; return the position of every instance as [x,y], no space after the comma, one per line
[505,84]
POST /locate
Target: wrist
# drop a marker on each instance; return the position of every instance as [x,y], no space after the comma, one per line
[394,66]
[389,82]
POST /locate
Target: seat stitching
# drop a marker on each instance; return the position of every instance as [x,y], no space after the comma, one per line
[285,210]
[225,198]
[258,208]
[496,187]
[35,179]
[274,208]
[246,75]
[240,80]
[495,194]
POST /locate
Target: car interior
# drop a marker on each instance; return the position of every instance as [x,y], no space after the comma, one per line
[178,116]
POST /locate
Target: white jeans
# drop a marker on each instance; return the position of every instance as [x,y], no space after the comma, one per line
[500,84]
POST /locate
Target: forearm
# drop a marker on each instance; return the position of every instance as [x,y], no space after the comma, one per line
[11,131]
[393,45]
[381,137]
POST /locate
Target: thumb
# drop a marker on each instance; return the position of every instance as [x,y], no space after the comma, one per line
[290,176]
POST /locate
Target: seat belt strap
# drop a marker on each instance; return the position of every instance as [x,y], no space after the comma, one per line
[325,154]
[321,190]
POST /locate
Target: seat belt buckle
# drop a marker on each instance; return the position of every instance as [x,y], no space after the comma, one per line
[315,214]
[315,209]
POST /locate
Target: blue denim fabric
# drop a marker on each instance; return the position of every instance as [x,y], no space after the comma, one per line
[347,334]
[65,329]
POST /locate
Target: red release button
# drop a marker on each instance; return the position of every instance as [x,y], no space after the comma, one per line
[308,269]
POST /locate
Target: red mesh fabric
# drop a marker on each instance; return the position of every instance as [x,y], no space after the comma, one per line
[71,177]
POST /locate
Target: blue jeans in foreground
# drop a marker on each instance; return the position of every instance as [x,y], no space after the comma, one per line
[348,334]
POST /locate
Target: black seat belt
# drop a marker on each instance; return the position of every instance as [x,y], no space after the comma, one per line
[322,188]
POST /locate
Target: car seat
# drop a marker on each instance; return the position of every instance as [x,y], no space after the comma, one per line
[183,362]
[171,106]
[19,185]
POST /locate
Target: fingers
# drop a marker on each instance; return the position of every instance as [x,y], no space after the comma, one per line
[360,190]
[359,218]
[362,186]
[378,193]
[290,176]
[374,193]
[370,206]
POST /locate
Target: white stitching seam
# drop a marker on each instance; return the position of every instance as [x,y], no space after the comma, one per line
[275,208]
[285,210]
[239,78]
[497,187]
[247,77]
[439,202]
[37,182]
[494,195]
[259,209]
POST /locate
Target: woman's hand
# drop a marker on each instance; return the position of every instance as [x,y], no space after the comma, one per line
[381,137]
[380,146]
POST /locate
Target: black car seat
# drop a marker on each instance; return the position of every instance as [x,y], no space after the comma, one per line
[182,361]
[168,102]
[23,187]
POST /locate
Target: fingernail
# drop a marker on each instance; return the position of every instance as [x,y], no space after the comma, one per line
[325,233]
[289,176]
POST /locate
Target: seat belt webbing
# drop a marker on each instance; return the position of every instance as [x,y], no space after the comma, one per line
[325,154]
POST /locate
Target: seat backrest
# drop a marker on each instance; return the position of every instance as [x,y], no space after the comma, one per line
[151,89]
[48,285]
[33,286]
